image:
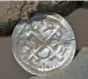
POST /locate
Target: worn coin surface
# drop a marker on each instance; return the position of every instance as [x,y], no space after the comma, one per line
[43,44]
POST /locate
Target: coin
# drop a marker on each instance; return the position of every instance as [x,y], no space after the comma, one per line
[43,44]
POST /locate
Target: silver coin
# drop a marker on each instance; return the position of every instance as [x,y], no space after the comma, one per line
[43,44]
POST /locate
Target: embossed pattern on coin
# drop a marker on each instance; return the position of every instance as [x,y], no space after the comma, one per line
[43,43]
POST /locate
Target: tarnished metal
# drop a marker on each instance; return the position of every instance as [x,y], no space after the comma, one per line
[44,44]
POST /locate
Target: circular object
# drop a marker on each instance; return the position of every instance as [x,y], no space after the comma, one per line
[44,44]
